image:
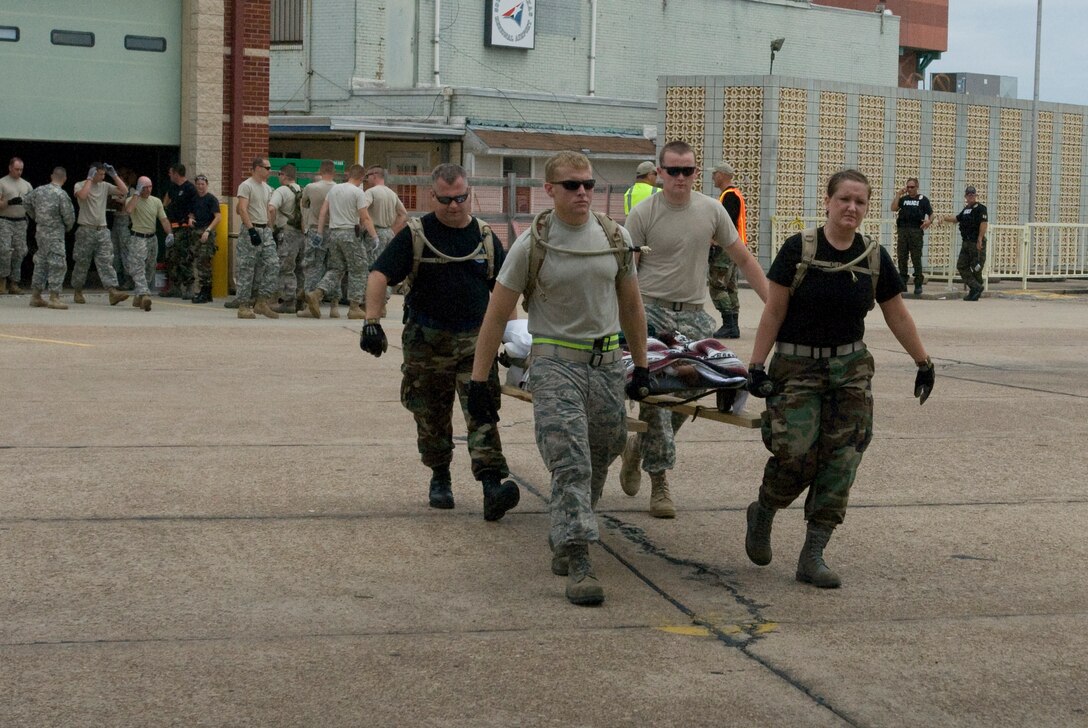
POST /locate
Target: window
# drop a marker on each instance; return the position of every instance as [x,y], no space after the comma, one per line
[72,38]
[9,33]
[287,21]
[145,43]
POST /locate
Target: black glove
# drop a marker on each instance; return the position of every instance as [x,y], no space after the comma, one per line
[254,236]
[481,403]
[759,384]
[15,201]
[639,386]
[923,381]
[372,340]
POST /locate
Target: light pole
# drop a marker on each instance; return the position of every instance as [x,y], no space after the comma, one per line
[1032,211]
[776,45]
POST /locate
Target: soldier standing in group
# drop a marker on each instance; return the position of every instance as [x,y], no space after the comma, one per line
[723,271]
[13,189]
[145,210]
[352,240]
[386,209]
[52,211]
[206,217]
[178,202]
[973,220]
[93,241]
[583,294]
[914,216]
[315,250]
[285,208]
[444,308]
[255,249]
[121,229]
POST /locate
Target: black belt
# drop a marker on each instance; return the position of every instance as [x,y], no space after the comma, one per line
[259,226]
[143,235]
[676,306]
[13,219]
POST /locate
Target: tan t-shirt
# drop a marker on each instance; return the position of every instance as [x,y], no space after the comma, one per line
[383,205]
[345,200]
[145,213]
[10,188]
[679,237]
[283,199]
[575,295]
[313,197]
[258,194]
[92,211]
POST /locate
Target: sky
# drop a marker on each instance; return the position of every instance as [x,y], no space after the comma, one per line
[998,37]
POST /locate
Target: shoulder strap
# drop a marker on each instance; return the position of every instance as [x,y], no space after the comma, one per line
[874,266]
[488,241]
[808,259]
[538,232]
[808,254]
[419,239]
[619,246]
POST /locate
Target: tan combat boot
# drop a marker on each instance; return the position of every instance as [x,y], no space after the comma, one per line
[36,299]
[355,311]
[313,302]
[117,296]
[660,502]
[55,302]
[811,568]
[631,459]
[245,312]
[334,310]
[13,287]
[264,309]
[77,296]
[582,584]
[145,302]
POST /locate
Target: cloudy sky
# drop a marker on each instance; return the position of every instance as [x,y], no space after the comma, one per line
[998,37]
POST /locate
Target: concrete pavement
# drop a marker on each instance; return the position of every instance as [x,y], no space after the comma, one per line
[216,522]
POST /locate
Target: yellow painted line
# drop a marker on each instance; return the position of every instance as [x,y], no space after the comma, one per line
[686,630]
[46,341]
[698,630]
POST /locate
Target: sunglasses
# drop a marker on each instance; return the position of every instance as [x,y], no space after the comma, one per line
[573,184]
[264,166]
[680,171]
[447,199]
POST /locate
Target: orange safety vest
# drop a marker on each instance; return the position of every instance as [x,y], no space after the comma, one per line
[742,221]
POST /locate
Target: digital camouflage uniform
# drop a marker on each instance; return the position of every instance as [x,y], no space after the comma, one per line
[119,234]
[289,248]
[136,262]
[353,254]
[437,365]
[313,259]
[816,427]
[575,407]
[258,265]
[93,243]
[12,248]
[658,443]
[53,214]
[722,281]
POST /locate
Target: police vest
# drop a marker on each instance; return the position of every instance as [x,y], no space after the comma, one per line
[742,218]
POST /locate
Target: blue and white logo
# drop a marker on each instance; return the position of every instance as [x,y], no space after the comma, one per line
[512,23]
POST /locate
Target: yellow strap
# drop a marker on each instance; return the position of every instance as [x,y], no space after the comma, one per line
[611,343]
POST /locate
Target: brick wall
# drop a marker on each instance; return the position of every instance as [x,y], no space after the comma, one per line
[255,82]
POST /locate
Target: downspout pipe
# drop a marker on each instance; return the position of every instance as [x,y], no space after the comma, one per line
[237,48]
[592,47]
[437,79]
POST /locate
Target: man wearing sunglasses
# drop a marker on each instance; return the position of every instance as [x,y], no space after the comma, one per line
[915,213]
[450,288]
[257,262]
[678,227]
[578,304]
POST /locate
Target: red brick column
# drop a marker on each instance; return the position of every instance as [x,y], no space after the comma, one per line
[254,29]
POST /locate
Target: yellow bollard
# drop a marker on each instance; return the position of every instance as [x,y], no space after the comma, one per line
[221,261]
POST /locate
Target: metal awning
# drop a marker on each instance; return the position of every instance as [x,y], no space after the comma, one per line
[531,143]
[295,125]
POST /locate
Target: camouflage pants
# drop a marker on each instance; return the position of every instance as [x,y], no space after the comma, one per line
[384,236]
[179,258]
[313,261]
[580,425]
[12,248]
[203,253]
[289,248]
[93,244]
[50,261]
[658,443]
[258,265]
[136,257]
[119,234]
[909,246]
[816,427]
[437,365]
[347,253]
[722,281]
[969,257]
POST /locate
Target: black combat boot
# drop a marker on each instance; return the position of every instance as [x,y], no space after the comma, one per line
[204,295]
[499,497]
[757,540]
[441,495]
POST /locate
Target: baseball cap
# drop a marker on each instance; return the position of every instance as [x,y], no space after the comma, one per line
[726,168]
[645,168]
[970,190]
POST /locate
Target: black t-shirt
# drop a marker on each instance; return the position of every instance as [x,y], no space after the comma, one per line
[970,220]
[181,200]
[453,293]
[204,209]
[913,211]
[828,309]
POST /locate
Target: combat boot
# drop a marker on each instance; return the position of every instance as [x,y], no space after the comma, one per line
[660,502]
[186,293]
[582,584]
[264,309]
[313,302]
[284,307]
[757,540]
[729,328]
[245,312]
[355,312]
[36,299]
[204,295]
[499,498]
[77,296]
[55,302]
[145,302]
[234,302]
[117,296]
[441,495]
[811,568]
[304,312]
[300,302]
[560,562]
[334,312]
[630,462]
[13,287]
[917,289]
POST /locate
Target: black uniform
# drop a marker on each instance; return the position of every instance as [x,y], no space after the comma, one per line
[913,211]
[972,259]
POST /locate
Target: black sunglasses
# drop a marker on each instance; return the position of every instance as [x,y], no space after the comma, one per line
[262,166]
[574,184]
[445,199]
[680,171]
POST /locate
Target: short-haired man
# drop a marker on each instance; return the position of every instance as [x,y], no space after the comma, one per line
[121,228]
[255,249]
[145,210]
[722,279]
[973,220]
[13,188]
[915,214]
[206,217]
[386,209]
[285,208]
[316,249]
[352,240]
[52,211]
[93,240]
[443,311]
[178,202]
[585,293]
[678,227]
[645,185]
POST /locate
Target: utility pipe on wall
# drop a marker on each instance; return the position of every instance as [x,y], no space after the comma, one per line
[437,24]
[592,47]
